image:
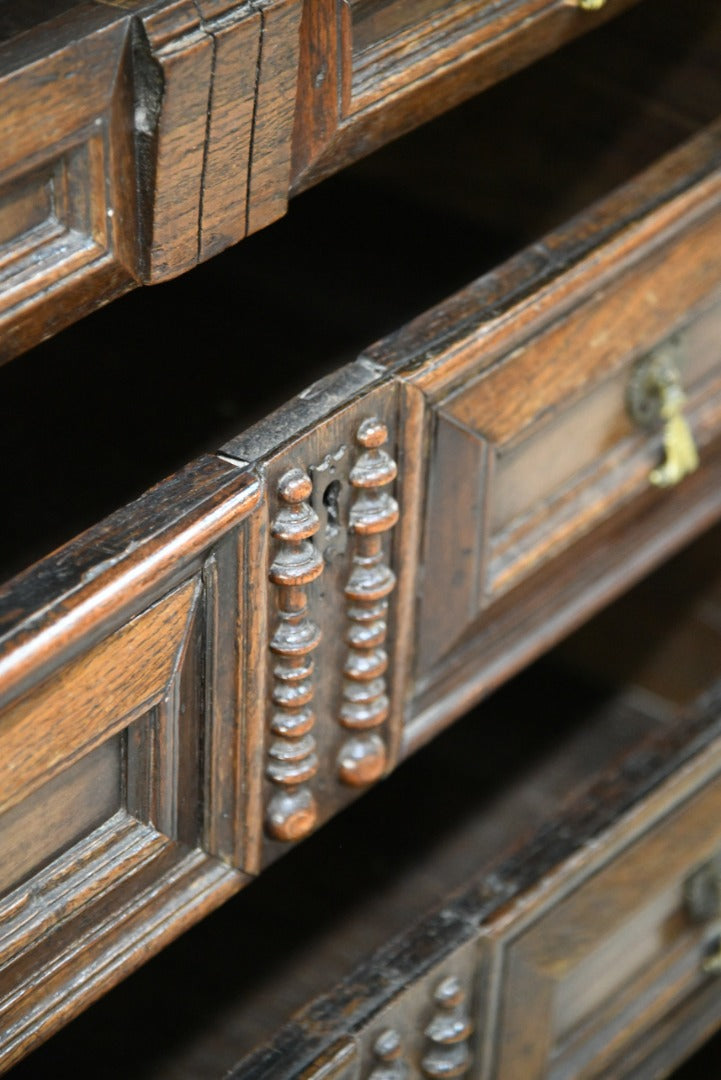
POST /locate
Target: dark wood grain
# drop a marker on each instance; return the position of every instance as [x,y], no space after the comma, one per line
[129,654]
[202,106]
[236,43]
[408,62]
[598,773]
[243,651]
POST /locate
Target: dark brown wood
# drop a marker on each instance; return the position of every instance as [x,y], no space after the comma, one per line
[528,908]
[224,195]
[534,506]
[65,209]
[114,682]
[371,72]
[199,682]
[495,841]
[329,703]
[169,141]
[175,141]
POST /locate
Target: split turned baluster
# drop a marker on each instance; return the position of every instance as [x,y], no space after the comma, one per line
[448,1032]
[388,1052]
[292,811]
[364,709]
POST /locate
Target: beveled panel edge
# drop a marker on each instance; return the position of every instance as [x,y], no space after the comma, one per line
[72,597]
[139,902]
[615,556]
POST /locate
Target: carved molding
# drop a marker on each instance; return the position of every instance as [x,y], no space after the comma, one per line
[374,512]
[292,813]
[448,1033]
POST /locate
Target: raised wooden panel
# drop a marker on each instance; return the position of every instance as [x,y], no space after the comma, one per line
[531,447]
[573,819]
[169,141]
[60,813]
[122,715]
[48,728]
[66,225]
[541,495]
[612,956]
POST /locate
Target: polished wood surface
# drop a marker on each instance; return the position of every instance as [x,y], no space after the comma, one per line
[276,626]
[514,817]
[173,129]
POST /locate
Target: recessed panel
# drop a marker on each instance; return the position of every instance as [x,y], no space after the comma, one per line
[59,814]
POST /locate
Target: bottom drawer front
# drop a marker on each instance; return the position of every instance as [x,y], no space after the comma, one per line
[614,956]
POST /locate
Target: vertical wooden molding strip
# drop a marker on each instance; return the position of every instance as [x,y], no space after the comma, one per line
[292,811]
[448,1033]
[365,705]
[388,1051]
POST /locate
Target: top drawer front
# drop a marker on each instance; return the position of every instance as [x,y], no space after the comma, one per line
[388,65]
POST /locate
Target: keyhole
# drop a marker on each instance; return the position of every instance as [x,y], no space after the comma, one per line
[330,502]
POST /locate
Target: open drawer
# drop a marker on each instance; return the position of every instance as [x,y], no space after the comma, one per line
[234,656]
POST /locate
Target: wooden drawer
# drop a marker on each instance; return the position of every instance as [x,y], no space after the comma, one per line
[372,69]
[111,700]
[579,960]
[615,955]
[523,899]
[183,128]
[538,445]
[238,654]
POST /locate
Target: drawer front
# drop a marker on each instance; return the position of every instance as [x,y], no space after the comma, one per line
[118,738]
[263,626]
[390,65]
[332,661]
[166,145]
[616,955]
[557,444]
[430,1030]
[62,197]
[531,441]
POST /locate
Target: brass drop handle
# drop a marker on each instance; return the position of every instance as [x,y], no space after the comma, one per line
[591,5]
[656,397]
[702,895]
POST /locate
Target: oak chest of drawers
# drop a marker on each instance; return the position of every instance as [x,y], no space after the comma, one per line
[193,686]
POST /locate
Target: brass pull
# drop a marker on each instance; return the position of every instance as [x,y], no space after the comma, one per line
[591,5]
[702,894]
[656,397]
